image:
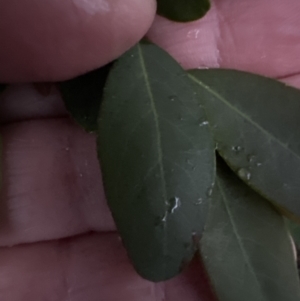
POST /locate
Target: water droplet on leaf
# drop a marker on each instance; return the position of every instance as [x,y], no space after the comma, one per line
[199,201]
[204,123]
[251,158]
[174,203]
[244,174]
[209,192]
[237,148]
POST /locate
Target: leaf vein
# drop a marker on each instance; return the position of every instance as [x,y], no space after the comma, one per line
[243,115]
[159,143]
[238,238]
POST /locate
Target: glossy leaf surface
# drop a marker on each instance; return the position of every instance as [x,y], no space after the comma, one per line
[82,96]
[183,10]
[157,160]
[295,232]
[294,229]
[256,122]
[246,247]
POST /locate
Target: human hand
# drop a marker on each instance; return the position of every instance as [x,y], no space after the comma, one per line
[53,211]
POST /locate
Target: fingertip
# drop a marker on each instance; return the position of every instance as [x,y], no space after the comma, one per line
[55,40]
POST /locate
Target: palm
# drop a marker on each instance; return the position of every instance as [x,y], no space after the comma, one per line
[55,216]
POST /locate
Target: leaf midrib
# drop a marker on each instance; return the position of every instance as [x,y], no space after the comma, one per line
[240,243]
[159,143]
[243,115]
[156,117]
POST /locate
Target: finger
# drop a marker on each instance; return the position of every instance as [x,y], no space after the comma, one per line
[54,40]
[256,37]
[52,184]
[91,267]
[28,102]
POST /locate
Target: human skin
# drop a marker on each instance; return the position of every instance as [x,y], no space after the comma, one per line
[57,238]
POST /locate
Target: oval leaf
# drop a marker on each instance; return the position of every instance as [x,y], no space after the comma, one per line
[183,10]
[157,160]
[246,247]
[256,122]
[82,96]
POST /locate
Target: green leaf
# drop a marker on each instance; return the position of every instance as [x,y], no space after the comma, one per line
[157,160]
[82,96]
[246,247]
[256,122]
[295,231]
[183,10]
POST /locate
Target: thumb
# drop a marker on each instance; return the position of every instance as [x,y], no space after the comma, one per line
[54,40]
